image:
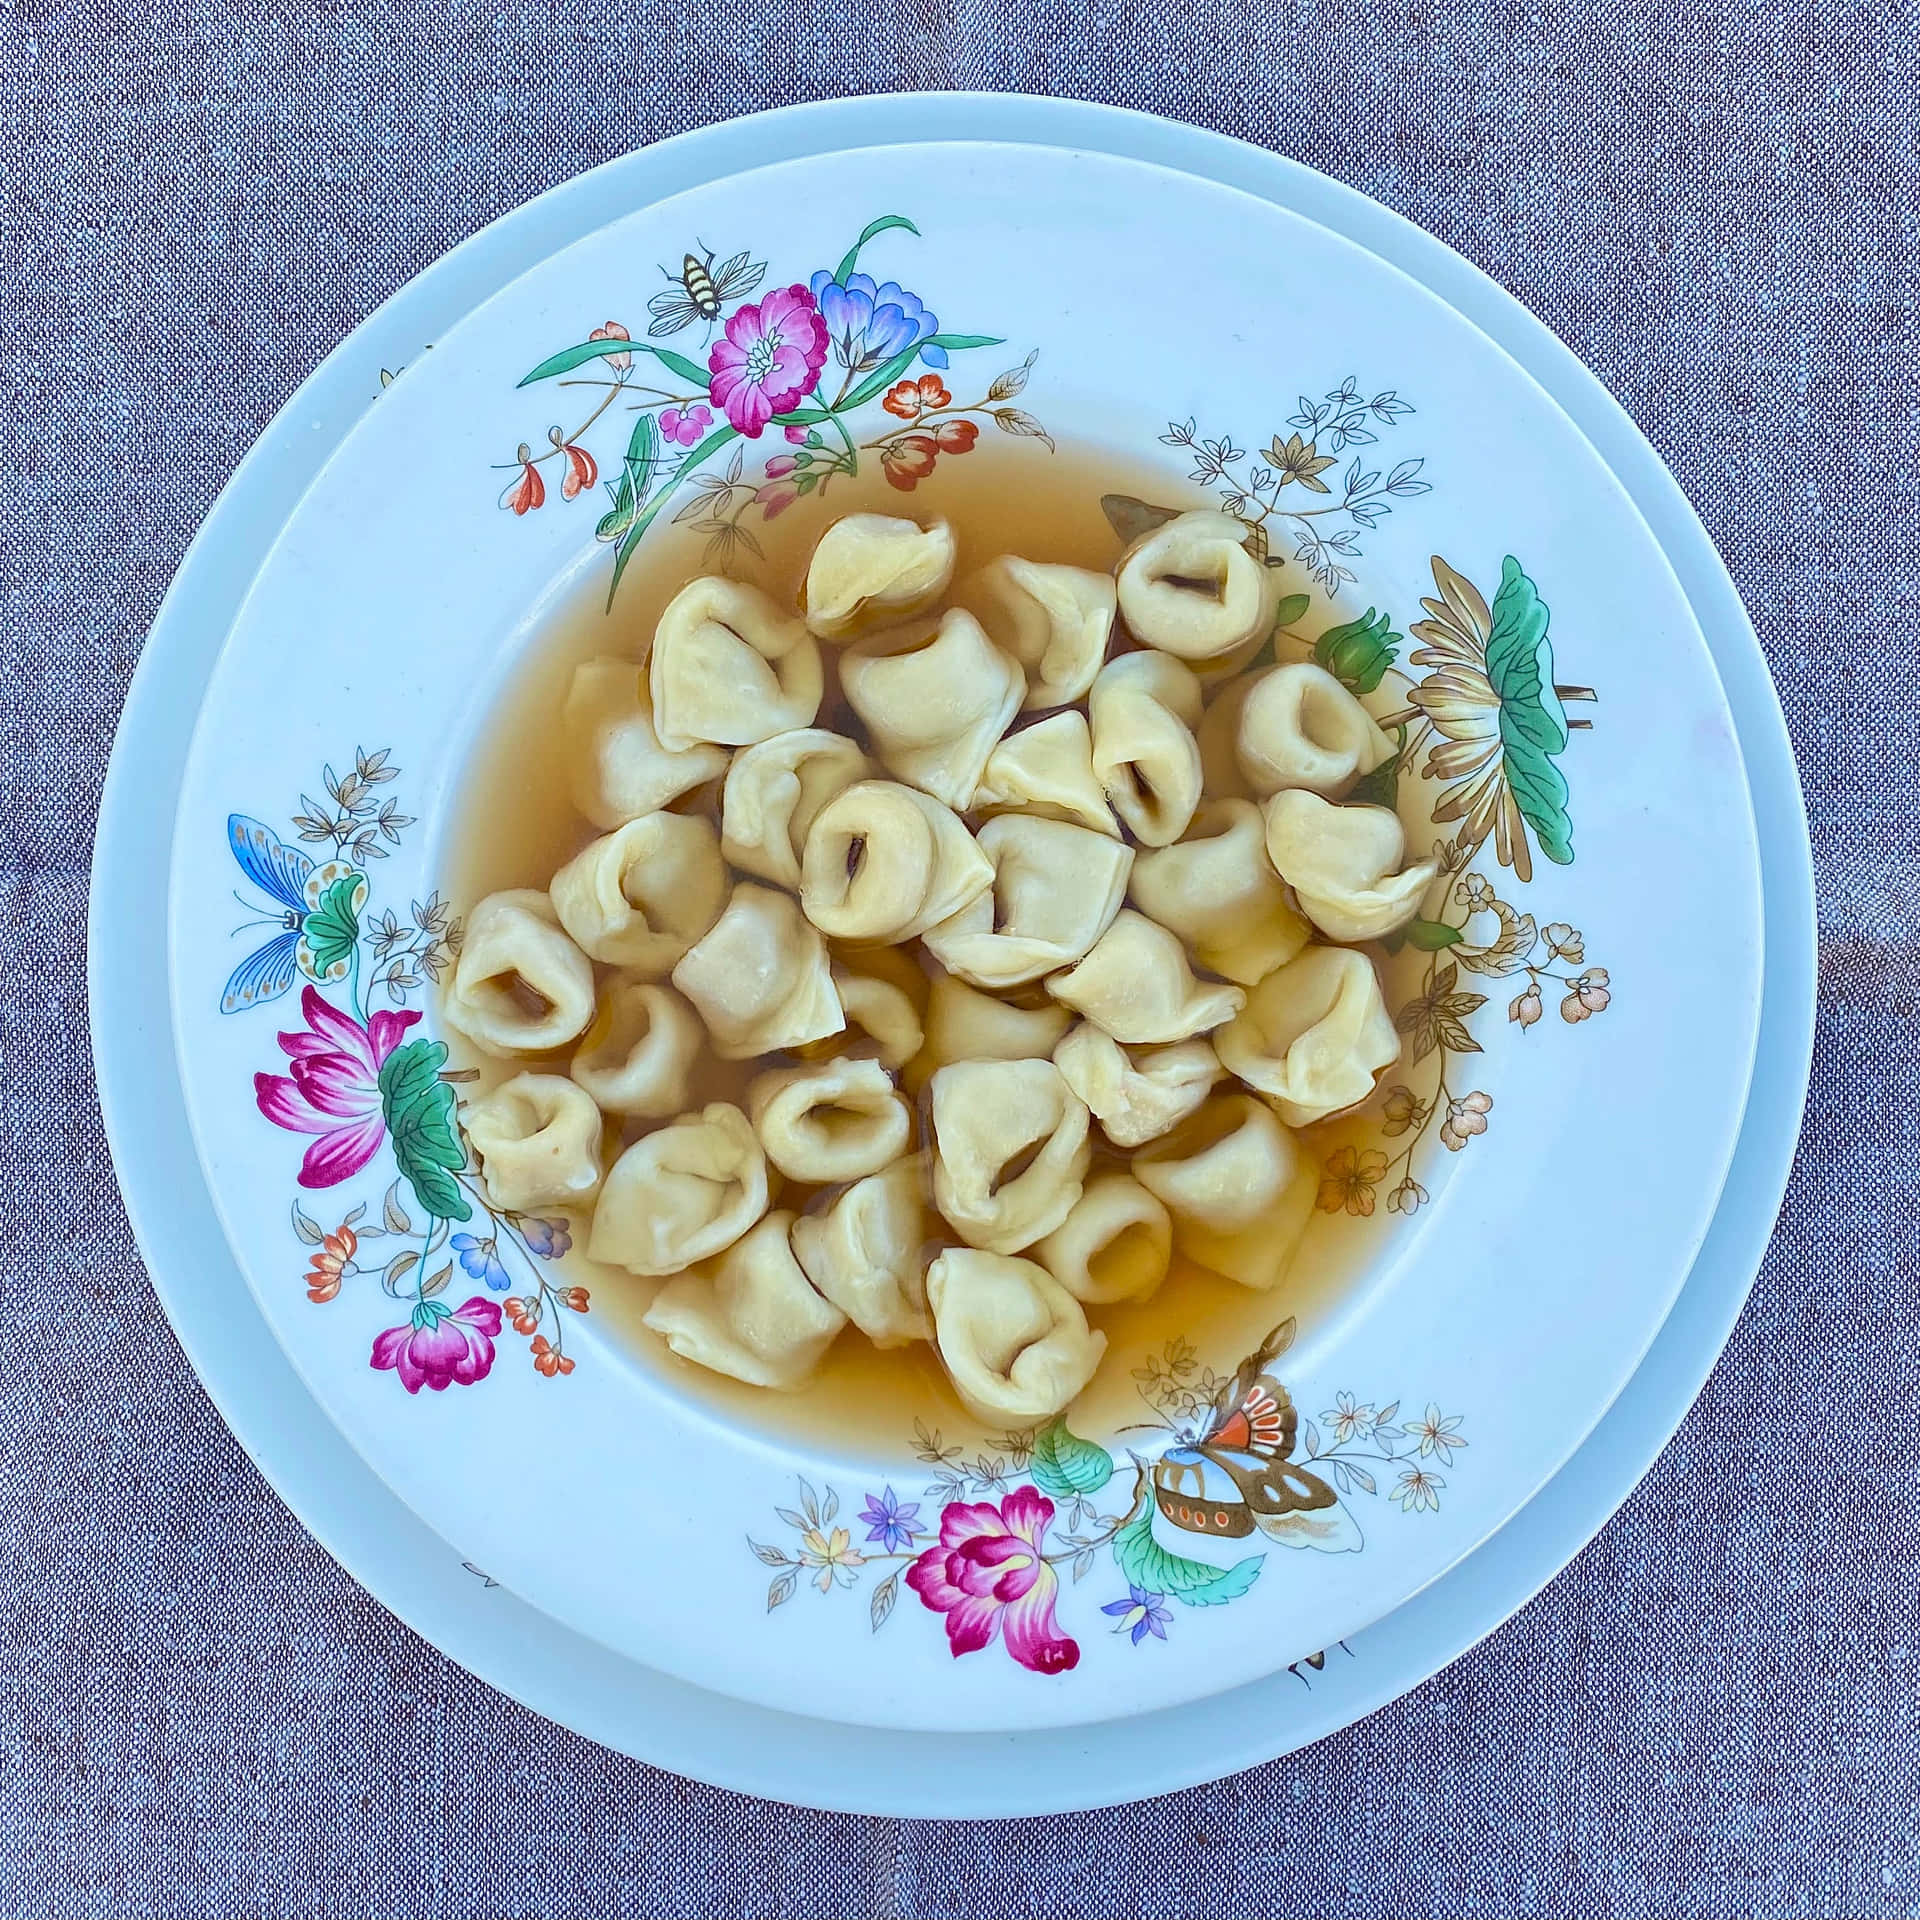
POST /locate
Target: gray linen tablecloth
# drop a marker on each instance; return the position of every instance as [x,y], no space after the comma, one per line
[1714,1711]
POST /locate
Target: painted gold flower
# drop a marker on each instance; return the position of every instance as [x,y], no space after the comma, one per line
[1348,1178]
[1297,459]
[1489,696]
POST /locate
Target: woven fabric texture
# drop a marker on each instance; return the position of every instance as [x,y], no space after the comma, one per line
[1714,1711]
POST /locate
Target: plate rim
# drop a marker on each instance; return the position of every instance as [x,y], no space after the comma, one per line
[1196,147]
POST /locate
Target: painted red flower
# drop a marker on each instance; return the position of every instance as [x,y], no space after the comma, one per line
[529,491]
[613,330]
[988,1574]
[908,460]
[525,1314]
[768,359]
[332,1088]
[575,1298]
[581,471]
[331,1263]
[909,399]
[546,1361]
[956,436]
[441,1346]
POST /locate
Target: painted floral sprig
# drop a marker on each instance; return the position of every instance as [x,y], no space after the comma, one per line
[1258,494]
[805,358]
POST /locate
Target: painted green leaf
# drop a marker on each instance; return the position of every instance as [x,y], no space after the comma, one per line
[1150,1567]
[880,381]
[1291,608]
[572,357]
[1381,787]
[1533,724]
[636,471]
[886,223]
[334,925]
[419,1111]
[959,342]
[643,520]
[1431,935]
[1064,1464]
[1358,653]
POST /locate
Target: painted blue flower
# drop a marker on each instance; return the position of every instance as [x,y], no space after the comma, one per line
[1140,1613]
[869,324]
[481,1258]
[889,1523]
[548,1238]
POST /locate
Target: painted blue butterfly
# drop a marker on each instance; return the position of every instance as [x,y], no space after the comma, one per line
[282,872]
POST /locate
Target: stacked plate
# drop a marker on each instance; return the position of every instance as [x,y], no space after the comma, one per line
[1605,1046]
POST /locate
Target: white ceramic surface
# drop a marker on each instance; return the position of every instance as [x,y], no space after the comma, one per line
[1584,856]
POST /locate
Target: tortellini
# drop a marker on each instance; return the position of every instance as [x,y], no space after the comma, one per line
[1344,864]
[616,767]
[1218,891]
[1047,769]
[753,1315]
[888,942]
[1010,1150]
[871,568]
[1056,888]
[1144,708]
[538,1138]
[1137,986]
[1313,1035]
[521,986]
[1191,588]
[774,790]
[730,667]
[1299,727]
[1136,1096]
[681,1193]
[1056,621]
[882,1006]
[1116,1244]
[642,895]
[867,1254]
[1231,1177]
[831,1121]
[884,862]
[637,1056]
[760,978]
[935,701]
[963,1024]
[1014,1341]
[1218,735]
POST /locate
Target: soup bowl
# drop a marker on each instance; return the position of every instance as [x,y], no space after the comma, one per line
[1041,348]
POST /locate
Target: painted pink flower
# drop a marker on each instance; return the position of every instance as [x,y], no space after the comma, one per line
[988,1572]
[440,1345]
[768,359]
[796,434]
[684,425]
[775,498]
[332,1089]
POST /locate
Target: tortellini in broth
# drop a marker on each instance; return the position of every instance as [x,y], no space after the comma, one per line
[1056,888]
[729,667]
[935,701]
[951,979]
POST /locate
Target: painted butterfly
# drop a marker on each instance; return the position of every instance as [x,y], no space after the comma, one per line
[316,911]
[1236,1474]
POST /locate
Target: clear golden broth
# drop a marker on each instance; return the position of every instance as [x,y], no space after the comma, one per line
[513,825]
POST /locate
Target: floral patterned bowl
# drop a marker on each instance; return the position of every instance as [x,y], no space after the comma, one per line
[1548,1154]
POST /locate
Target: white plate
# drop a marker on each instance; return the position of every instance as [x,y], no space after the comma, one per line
[112,1066]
